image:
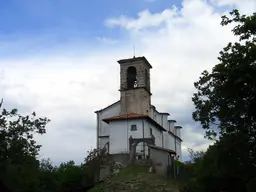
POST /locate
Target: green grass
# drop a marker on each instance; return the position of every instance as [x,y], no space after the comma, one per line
[136,179]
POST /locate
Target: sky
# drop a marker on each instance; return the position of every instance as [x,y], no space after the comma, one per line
[60,59]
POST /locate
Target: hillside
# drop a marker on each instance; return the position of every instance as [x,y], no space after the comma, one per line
[136,179]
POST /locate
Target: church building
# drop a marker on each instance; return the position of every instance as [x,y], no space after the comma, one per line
[134,116]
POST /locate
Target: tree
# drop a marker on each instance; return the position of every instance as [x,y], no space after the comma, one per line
[225,101]
[18,149]
[195,156]
[65,177]
[47,177]
[226,96]
[21,171]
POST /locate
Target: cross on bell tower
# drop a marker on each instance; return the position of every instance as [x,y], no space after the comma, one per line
[135,85]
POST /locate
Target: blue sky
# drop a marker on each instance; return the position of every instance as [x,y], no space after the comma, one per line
[65,19]
[58,58]
[46,24]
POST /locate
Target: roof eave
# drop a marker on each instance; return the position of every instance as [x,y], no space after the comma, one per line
[156,124]
[146,117]
[165,113]
[175,135]
[163,149]
[121,119]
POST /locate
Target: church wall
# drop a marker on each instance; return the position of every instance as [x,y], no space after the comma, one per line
[104,127]
[151,112]
[166,139]
[171,142]
[155,131]
[178,133]
[160,118]
[158,137]
[165,121]
[157,117]
[109,112]
[178,146]
[103,141]
[120,131]
[171,127]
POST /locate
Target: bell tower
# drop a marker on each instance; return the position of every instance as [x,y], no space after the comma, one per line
[135,85]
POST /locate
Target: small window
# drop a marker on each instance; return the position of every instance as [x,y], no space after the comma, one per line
[150,131]
[133,128]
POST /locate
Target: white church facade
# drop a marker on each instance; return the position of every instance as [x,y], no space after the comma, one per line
[133,116]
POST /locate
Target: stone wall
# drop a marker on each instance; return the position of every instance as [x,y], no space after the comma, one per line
[160,160]
[122,158]
[143,74]
[135,101]
[118,161]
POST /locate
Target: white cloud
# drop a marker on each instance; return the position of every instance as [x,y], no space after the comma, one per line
[193,139]
[145,19]
[244,6]
[68,85]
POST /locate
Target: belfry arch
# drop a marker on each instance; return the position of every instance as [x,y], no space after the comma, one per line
[131,74]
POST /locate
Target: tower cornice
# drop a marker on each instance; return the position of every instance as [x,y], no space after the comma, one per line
[135,59]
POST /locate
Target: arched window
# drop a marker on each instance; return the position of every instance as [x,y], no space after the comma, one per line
[131,77]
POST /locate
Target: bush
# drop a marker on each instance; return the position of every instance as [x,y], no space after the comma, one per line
[191,185]
[251,185]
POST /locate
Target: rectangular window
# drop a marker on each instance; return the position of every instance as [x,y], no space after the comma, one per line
[150,131]
[133,128]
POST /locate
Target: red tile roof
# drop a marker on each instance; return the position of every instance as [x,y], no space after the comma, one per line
[162,149]
[125,116]
[133,116]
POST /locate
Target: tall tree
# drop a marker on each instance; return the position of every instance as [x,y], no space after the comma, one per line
[18,149]
[226,97]
[225,101]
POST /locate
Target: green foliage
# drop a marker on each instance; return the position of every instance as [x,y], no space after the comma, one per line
[18,149]
[192,185]
[226,97]
[214,171]
[47,176]
[65,177]
[225,105]
[251,185]
[20,169]
[71,176]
